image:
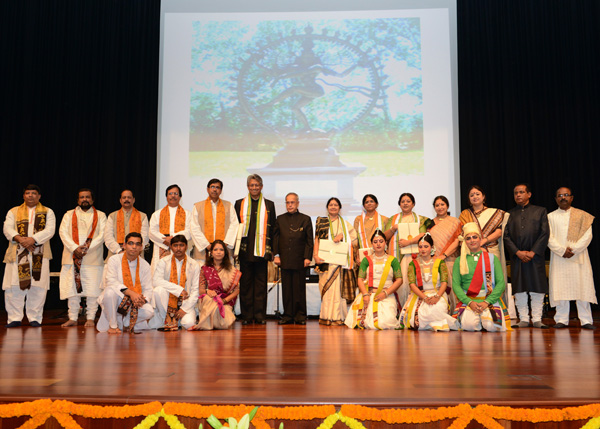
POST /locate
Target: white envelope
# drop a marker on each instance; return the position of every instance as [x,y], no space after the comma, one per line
[333,253]
[408,231]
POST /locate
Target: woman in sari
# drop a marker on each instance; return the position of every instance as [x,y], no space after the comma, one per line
[427,306]
[379,277]
[368,222]
[219,281]
[489,221]
[337,283]
[396,243]
[445,232]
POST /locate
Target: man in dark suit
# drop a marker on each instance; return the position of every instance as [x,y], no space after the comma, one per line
[293,247]
[526,237]
[257,218]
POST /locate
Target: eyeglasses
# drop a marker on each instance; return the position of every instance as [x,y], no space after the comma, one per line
[134,243]
[563,195]
[175,194]
[214,187]
[472,237]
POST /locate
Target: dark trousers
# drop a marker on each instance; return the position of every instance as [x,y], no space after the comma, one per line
[253,289]
[293,288]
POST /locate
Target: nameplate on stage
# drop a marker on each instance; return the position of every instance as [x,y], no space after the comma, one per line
[333,253]
[408,231]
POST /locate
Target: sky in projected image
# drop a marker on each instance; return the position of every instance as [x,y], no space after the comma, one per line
[322,104]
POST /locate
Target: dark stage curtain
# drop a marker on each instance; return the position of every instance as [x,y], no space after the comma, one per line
[79,102]
[79,95]
[529,101]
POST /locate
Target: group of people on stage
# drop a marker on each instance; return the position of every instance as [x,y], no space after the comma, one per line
[403,267]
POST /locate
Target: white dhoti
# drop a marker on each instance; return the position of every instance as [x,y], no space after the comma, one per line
[33,299]
[469,321]
[91,277]
[161,302]
[110,318]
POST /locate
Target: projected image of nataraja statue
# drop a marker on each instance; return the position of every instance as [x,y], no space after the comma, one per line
[307,88]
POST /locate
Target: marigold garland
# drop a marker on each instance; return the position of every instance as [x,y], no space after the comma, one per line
[351,415]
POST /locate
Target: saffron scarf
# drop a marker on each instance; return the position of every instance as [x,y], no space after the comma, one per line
[75,234]
[126,303]
[135,224]
[213,282]
[164,225]
[364,241]
[39,224]
[209,222]
[171,323]
[262,217]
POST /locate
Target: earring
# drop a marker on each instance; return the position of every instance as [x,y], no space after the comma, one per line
[432,250]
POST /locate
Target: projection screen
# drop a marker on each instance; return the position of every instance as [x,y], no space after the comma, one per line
[320,98]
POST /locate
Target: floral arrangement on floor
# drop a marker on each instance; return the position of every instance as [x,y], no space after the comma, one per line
[242,416]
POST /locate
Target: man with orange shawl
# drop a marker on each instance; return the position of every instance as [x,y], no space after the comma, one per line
[28,228]
[123,221]
[168,222]
[82,234]
[213,219]
[126,298]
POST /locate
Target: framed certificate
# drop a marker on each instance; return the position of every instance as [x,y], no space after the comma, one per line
[333,253]
[408,231]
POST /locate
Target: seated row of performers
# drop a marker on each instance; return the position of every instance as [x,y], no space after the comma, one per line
[180,293]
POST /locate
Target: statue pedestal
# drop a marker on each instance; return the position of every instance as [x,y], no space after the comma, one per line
[311,168]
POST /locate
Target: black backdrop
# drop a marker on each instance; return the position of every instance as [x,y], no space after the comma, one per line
[79,97]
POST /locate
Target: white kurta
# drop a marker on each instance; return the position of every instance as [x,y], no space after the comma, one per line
[11,271]
[163,287]
[197,230]
[112,296]
[110,232]
[92,263]
[570,278]
[158,238]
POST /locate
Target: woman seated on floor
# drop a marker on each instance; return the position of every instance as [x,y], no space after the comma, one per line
[427,306]
[379,277]
[478,283]
[219,289]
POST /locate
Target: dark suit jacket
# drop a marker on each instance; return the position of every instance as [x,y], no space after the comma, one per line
[527,229]
[246,249]
[293,240]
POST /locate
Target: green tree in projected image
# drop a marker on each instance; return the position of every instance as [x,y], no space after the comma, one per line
[356,81]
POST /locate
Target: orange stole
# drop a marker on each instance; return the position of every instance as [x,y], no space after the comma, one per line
[209,225]
[164,222]
[127,280]
[75,227]
[135,224]
[172,324]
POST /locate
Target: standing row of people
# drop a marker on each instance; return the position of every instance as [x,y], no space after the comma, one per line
[252,232]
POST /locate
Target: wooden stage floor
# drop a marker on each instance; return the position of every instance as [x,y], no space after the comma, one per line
[290,365]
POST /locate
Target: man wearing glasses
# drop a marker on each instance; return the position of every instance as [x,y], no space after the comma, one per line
[168,222]
[213,219]
[526,237]
[128,292]
[571,277]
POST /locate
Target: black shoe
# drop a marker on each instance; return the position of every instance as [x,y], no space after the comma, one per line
[588,326]
[14,324]
[245,322]
[261,322]
[559,326]
[285,322]
[301,322]
[35,324]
